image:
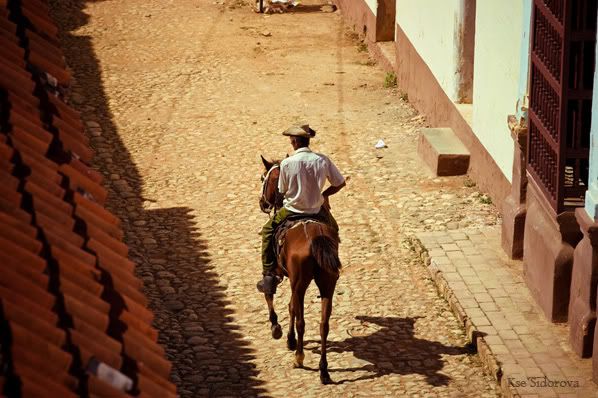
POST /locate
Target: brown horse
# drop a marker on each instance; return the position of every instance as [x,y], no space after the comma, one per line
[309,252]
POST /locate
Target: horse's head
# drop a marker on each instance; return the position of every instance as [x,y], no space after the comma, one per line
[271,198]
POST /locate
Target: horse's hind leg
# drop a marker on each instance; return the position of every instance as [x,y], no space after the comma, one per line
[326,284]
[324,328]
[276,329]
[298,298]
[291,340]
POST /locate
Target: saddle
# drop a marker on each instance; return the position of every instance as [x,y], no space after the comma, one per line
[280,234]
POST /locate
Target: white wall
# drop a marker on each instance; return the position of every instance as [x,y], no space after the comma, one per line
[496,76]
[373,4]
[431,26]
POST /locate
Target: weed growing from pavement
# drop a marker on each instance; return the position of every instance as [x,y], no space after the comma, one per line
[403,94]
[485,199]
[469,183]
[390,80]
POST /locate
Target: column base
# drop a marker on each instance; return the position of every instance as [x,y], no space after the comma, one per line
[513,227]
[548,246]
[584,281]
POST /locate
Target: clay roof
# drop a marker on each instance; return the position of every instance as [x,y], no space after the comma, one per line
[68,292]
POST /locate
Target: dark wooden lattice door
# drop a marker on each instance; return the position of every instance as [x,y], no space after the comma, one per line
[563,45]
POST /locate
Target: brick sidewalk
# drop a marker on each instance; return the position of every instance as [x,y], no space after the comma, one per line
[528,355]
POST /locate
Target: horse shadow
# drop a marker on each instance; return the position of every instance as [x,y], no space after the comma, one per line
[394,349]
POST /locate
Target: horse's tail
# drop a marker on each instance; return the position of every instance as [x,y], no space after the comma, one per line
[325,251]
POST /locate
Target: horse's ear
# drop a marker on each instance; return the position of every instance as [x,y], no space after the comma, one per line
[267,165]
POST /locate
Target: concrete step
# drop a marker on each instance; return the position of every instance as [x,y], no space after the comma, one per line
[384,52]
[443,152]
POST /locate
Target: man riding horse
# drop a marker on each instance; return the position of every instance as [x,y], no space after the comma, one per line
[302,178]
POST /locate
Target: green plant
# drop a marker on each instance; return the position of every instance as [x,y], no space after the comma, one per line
[469,183]
[390,80]
[485,199]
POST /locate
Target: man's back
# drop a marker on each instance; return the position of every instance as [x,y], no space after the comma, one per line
[302,178]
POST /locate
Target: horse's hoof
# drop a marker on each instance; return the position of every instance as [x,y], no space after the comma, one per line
[325,378]
[276,331]
[291,344]
[298,363]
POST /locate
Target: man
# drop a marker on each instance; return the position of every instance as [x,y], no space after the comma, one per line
[302,178]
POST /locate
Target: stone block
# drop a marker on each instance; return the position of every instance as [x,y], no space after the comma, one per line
[443,152]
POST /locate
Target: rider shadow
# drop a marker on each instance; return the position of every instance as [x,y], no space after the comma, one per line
[394,350]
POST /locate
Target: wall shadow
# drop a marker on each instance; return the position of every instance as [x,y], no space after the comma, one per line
[394,349]
[209,355]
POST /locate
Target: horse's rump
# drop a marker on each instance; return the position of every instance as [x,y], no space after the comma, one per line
[313,238]
[324,250]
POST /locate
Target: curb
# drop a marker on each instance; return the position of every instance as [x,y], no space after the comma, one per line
[489,361]
[377,53]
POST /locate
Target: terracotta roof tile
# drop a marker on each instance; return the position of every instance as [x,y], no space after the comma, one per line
[25,241]
[86,171]
[47,193]
[28,305]
[9,219]
[35,384]
[68,292]
[22,285]
[35,361]
[66,260]
[86,312]
[93,208]
[21,251]
[56,240]
[98,388]
[108,253]
[153,361]
[74,290]
[81,183]
[98,335]
[91,217]
[57,214]
[45,330]
[15,211]
[92,348]
[132,321]
[23,337]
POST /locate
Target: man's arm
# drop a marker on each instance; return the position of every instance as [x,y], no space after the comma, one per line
[337,182]
[332,190]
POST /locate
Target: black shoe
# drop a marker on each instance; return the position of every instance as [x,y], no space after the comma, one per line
[268,284]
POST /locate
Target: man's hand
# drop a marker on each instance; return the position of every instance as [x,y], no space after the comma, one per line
[326,203]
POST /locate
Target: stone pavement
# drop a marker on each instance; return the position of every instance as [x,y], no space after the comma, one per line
[180,98]
[528,355]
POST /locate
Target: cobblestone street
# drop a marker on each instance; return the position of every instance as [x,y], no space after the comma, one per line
[180,99]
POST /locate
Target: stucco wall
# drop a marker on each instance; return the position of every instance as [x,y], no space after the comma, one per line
[592,193]
[432,26]
[373,4]
[497,72]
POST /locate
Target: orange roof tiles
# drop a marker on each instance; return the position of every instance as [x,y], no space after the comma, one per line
[68,293]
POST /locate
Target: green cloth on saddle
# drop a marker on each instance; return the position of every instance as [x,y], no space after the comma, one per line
[268,255]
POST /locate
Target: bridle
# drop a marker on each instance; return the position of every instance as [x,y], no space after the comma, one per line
[267,206]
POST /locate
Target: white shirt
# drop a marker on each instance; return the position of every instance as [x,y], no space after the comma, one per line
[302,178]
